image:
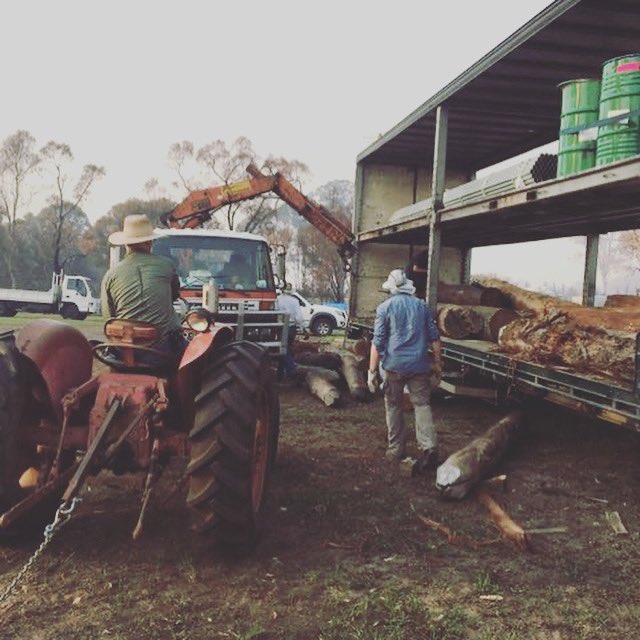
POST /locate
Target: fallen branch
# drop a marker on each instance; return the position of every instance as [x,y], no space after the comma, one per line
[456,539]
[545,488]
[510,530]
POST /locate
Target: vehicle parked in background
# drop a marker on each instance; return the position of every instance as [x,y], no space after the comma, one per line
[320,319]
[70,296]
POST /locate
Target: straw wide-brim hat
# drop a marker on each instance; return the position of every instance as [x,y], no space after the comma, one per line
[135,229]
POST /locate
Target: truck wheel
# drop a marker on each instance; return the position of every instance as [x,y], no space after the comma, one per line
[70,311]
[233,443]
[323,326]
[16,457]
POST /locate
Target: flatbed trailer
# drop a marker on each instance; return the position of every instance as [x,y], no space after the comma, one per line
[507,103]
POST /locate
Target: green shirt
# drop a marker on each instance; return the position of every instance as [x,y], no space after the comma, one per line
[142,287]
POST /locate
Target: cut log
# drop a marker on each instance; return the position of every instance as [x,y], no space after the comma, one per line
[494,319]
[465,468]
[354,377]
[326,360]
[362,348]
[523,299]
[554,338]
[304,370]
[321,385]
[471,294]
[303,346]
[458,321]
[622,302]
[615,318]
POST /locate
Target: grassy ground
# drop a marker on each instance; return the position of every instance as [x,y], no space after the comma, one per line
[345,555]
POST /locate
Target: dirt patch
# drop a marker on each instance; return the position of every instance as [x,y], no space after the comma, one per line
[345,554]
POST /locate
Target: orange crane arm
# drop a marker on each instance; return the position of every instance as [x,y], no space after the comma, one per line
[198,206]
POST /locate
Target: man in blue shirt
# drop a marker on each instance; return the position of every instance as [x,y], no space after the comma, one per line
[404,332]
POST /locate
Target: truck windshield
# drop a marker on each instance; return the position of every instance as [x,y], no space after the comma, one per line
[234,263]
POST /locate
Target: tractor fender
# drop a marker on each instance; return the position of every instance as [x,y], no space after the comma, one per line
[191,366]
[61,354]
[202,343]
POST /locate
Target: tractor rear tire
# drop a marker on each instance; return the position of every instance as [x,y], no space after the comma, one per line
[233,444]
[16,456]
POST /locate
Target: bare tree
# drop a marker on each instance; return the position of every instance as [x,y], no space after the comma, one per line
[221,164]
[18,161]
[327,275]
[57,157]
[630,249]
[608,255]
[180,154]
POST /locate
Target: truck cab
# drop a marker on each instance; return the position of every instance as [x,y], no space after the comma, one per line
[238,266]
[77,298]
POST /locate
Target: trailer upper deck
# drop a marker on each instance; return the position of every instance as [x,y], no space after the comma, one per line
[508,102]
[596,201]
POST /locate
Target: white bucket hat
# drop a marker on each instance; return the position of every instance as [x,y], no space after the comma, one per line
[135,229]
[397,282]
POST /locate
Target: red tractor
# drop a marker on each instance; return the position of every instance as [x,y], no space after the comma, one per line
[59,423]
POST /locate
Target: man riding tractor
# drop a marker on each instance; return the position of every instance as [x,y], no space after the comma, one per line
[217,404]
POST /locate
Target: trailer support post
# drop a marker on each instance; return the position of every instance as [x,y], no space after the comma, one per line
[590,270]
[437,190]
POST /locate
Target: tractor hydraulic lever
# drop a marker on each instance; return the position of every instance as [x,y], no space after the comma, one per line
[150,482]
[83,469]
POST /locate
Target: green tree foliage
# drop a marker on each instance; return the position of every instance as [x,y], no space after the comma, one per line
[37,251]
[18,163]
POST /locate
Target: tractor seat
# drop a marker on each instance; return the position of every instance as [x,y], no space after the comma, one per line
[127,341]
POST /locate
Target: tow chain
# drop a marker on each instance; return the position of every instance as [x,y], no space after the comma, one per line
[63,514]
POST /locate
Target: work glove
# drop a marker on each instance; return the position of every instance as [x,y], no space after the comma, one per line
[436,375]
[373,381]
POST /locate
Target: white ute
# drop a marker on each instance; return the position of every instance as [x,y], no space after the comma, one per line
[320,319]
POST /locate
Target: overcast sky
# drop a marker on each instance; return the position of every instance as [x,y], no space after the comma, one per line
[312,81]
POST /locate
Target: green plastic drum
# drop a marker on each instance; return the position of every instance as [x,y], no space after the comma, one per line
[580,102]
[620,94]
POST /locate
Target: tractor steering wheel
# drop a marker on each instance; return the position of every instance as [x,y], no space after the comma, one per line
[100,352]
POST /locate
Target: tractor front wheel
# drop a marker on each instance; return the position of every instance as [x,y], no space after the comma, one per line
[233,443]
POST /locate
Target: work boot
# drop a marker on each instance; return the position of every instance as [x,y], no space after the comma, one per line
[428,459]
[393,455]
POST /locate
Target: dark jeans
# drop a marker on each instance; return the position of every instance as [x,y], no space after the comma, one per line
[287,363]
[172,343]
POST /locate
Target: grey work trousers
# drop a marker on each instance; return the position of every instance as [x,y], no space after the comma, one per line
[419,393]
